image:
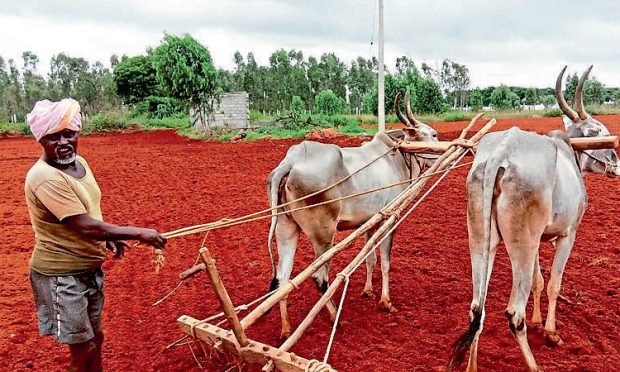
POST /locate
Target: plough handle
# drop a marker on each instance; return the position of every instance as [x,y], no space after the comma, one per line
[192,271]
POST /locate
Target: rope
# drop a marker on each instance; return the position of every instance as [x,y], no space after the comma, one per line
[316,366]
[347,275]
[609,167]
[179,232]
[446,171]
[180,282]
[194,355]
[239,308]
[244,219]
[340,305]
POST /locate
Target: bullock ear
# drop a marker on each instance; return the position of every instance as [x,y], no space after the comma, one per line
[411,133]
[567,122]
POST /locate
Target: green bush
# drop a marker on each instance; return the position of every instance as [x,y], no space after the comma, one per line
[256,115]
[14,129]
[104,121]
[456,116]
[553,113]
[158,107]
[328,103]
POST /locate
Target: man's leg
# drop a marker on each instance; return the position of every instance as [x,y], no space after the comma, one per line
[84,357]
[95,307]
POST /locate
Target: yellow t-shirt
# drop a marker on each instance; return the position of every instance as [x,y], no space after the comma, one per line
[52,196]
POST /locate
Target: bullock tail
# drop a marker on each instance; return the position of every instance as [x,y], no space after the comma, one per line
[492,173]
[273,191]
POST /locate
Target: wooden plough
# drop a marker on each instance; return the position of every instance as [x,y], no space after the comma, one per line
[235,341]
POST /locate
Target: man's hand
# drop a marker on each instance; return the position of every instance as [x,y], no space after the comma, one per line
[117,248]
[152,238]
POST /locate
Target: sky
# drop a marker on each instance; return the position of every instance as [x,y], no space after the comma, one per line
[513,42]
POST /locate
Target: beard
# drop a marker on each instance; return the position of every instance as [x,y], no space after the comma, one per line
[65,161]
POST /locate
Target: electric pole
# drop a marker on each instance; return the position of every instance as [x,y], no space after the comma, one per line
[381,88]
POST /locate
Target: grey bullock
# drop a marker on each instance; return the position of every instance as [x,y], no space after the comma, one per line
[311,166]
[524,188]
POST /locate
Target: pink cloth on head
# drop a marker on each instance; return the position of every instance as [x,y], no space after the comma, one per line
[49,117]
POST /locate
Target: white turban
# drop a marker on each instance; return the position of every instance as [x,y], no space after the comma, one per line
[50,117]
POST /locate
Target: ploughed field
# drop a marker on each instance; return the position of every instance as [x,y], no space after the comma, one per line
[161,180]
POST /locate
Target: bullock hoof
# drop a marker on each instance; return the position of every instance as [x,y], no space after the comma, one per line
[553,339]
[368,294]
[387,306]
[536,325]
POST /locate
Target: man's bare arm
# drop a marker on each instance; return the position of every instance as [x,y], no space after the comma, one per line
[91,228]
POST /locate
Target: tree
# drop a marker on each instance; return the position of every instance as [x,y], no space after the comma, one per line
[327,73]
[503,98]
[34,84]
[328,103]
[571,86]
[185,70]
[531,97]
[135,79]
[594,92]
[4,84]
[461,81]
[64,74]
[548,100]
[13,92]
[360,80]
[427,70]
[429,99]
[475,100]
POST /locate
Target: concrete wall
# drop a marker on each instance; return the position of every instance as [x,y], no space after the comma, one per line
[233,111]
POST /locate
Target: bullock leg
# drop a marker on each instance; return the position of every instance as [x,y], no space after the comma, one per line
[371,261]
[385,302]
[563,247]
[476,309]
[522,251]
[321,243]
[287,235]
[537,288]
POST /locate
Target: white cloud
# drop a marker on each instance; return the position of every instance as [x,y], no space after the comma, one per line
[520,42]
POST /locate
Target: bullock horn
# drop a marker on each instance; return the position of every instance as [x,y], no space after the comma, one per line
[397,110]
[581,111]
[560,98]
[410,116]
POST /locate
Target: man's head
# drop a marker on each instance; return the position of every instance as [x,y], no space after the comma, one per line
[56,125]
[61,147]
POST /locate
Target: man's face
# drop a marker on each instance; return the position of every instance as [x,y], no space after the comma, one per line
[61,147]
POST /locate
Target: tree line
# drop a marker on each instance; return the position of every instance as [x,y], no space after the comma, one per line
[180,73]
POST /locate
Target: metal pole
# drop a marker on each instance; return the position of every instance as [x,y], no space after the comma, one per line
[381,107]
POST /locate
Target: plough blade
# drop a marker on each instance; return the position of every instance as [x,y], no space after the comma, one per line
[255,352]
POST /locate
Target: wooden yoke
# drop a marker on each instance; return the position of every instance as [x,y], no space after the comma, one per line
[578,144]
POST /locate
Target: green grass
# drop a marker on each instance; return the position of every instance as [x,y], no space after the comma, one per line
[14,129]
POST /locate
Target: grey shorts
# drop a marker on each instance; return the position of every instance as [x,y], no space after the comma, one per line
[69,307]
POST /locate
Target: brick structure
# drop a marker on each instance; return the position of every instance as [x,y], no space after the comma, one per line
[233,111]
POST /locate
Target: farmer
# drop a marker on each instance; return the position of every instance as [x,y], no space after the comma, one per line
[70,236]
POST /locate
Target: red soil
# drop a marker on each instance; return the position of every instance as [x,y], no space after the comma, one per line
[164,181]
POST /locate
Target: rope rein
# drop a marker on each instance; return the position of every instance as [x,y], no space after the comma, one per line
[372,250]
[181,232]
[609,167]
[228,222]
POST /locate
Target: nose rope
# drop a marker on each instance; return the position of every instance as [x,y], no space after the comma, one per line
[609,167]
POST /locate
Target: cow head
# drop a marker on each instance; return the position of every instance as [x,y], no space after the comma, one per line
[414,129]
[580,124]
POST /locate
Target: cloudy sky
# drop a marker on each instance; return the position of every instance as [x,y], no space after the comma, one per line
[501,41]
